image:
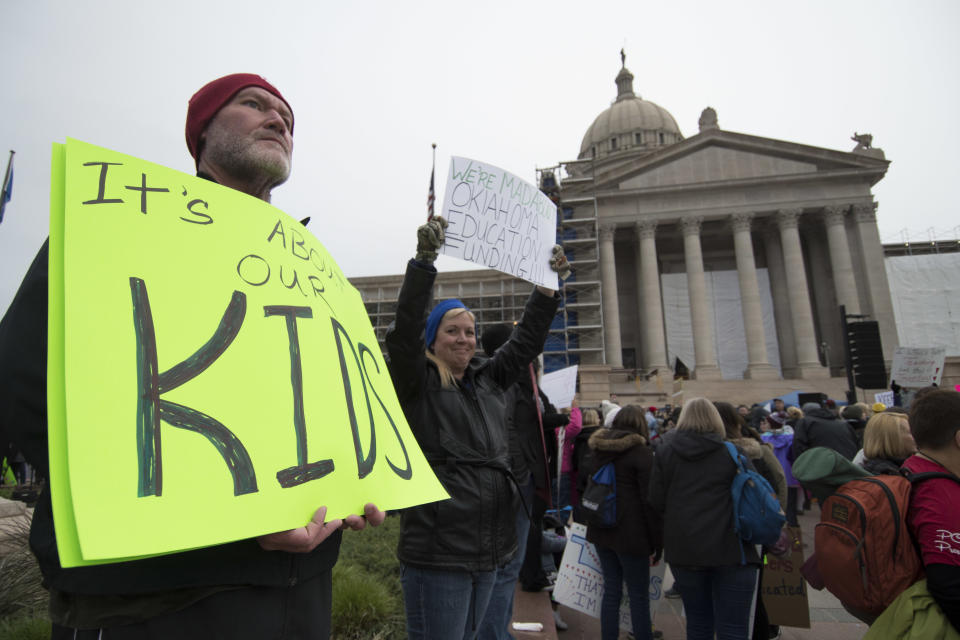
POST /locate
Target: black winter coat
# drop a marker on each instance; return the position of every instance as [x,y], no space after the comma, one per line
[463,434]
[820,428]
[639,528]
[690,486]
[527,441]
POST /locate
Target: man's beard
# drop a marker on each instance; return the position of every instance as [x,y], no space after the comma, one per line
[245,157]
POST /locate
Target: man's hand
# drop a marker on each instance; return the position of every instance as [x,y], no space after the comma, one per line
[371,515]
[430,238]
[558,263]
[302,540]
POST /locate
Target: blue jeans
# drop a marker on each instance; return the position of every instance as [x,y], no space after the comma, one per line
[444,605]
[717,599]
[618,567]
[500,610]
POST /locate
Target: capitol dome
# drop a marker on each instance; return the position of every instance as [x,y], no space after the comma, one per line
[629,124]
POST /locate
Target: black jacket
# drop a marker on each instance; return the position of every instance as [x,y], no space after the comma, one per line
[527,442]
[639,528]
[820,428]
[462,432]
[23,419]
[690,486]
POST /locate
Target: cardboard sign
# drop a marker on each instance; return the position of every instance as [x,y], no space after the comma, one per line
[915,367]
[783,588]
[560,386]
[212,374]
[580,579]
[500,221]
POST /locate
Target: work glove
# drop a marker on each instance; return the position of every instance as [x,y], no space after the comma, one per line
[558,262]
[429,239]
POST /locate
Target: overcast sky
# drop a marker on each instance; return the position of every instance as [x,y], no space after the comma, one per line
[514,84]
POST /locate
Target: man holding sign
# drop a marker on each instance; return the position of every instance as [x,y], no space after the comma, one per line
[239,131]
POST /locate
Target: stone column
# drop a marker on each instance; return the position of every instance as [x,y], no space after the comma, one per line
[650,312]
[781,302]
[840,260]
[758,366]
[878,287]
[805,337]
[611,304]
[705,367]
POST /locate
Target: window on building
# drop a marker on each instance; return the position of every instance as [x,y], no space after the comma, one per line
[613,144]
[638,138]
[661,138]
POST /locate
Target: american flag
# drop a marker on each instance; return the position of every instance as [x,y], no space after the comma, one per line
[7,191]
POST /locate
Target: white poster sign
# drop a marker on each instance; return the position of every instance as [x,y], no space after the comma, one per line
[560,386]
[580,579]
[915,367]
[500,221]
[885,397]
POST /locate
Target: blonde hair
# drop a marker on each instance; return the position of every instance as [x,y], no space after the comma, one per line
[447,379]
[795,412]
[882,437]
[591,418]
[699,414]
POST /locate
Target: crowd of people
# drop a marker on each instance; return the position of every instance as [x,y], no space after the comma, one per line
[514,466]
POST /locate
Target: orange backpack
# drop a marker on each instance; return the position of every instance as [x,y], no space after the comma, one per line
[864,549]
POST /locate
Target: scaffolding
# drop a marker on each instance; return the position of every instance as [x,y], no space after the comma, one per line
[576,335]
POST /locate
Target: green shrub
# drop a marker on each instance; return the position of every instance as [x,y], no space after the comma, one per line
[367,602]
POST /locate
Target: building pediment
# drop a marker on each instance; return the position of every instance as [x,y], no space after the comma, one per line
[714,157]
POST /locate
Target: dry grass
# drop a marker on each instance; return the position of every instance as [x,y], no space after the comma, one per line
[20,588]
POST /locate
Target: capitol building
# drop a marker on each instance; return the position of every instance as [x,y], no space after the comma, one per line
[723,254]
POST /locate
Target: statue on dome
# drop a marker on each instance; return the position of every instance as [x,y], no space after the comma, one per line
[863,140]
[623,58]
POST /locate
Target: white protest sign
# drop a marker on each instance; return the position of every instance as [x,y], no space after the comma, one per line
[580,579]
[500,221]
[560,386]
[917,367]
[885,397]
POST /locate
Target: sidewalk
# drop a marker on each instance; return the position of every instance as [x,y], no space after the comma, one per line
[828,620]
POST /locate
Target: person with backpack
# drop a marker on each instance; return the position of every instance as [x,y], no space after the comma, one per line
[715,570]
[934,517]
[626,540]
[763,459]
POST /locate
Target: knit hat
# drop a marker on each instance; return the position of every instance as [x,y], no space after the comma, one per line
[206,102]
[879,407]
[777,419]
[433,320]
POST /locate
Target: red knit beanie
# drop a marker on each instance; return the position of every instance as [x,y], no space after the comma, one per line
[206,102]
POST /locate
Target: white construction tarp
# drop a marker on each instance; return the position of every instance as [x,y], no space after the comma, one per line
[723,303]
[925,291]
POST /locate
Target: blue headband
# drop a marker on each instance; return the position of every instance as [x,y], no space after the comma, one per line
[433,320]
